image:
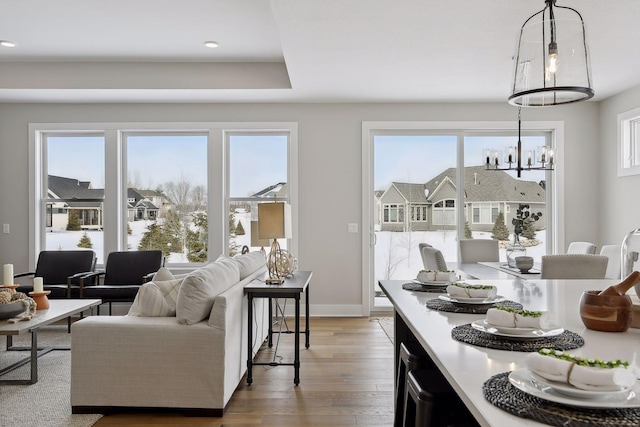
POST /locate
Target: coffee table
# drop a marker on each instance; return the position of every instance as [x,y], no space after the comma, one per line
[58,310]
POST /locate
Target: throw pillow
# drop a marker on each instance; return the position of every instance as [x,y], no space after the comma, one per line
[156,299]
[163,274]
[250,262]
[200,288]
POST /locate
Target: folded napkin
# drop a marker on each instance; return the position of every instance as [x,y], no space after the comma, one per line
[510,318]
[558,366]
[465,290]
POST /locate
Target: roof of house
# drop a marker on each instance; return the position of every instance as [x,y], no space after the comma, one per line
[482,185]
[70,188]
[279,189]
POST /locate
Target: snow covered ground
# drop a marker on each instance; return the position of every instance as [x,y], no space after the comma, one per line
[397,255]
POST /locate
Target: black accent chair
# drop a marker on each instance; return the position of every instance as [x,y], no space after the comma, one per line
[61,272]
[124,273]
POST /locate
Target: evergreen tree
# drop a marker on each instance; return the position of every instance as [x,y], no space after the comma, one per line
[528,229]
[129,229]
[197,239]
[239,229]
[500,230]
[73,223]
[85,242]
[156,238]
[467,230]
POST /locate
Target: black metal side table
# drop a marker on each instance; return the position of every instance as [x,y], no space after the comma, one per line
[292,287]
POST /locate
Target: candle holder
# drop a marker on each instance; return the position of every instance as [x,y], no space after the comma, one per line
[12,287]
[41,300]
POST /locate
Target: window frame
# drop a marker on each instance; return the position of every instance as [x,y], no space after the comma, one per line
[115,213]
[629,143]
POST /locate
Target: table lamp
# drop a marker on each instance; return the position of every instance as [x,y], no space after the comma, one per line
[274,222]
[256,241]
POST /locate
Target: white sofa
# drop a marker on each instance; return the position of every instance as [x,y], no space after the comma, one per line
[146,360]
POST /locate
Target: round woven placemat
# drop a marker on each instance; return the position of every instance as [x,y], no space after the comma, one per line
[467,334]
[442,305]
[413,286]
[501,393]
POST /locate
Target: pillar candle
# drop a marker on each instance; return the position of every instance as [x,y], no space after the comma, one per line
[38,286]
[7,272]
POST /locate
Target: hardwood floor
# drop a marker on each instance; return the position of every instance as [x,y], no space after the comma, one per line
[346,379]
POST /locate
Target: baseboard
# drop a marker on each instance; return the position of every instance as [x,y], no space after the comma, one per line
[108,410]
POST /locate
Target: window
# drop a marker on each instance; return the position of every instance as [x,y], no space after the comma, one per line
[629,143]
[485,213]
[393,213]
[419,213]
[444,212]
[134,187]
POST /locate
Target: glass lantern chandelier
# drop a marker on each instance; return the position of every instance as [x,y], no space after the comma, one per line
[551,62]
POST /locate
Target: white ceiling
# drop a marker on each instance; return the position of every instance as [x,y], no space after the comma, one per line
[289,50]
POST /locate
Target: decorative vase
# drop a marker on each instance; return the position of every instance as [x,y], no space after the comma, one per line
[515,250]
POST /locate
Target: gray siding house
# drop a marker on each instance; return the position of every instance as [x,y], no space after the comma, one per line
[432,205]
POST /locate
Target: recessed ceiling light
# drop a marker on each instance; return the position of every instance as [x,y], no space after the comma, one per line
[7,43]
[211,44]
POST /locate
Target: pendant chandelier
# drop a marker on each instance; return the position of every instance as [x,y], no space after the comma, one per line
[551,62]
[543,158]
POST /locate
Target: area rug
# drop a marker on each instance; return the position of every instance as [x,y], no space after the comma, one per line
[45,403]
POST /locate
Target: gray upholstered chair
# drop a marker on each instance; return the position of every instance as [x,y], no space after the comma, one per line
[573,266]
[582,248]
[614,266]
[432,259]
[479,250]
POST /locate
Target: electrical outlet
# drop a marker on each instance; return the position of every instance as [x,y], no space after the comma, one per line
[352,227]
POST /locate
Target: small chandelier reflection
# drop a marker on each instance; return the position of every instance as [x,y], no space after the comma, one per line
[543,158]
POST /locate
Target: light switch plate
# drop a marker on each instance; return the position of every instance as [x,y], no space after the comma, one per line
[5,228]
[352,227]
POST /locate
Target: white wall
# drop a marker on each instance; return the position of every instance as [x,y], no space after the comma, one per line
[329,172]
[619,198]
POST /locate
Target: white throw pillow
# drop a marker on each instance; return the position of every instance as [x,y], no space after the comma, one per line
[156,299]
[163,274]
[200,288]
[250,262]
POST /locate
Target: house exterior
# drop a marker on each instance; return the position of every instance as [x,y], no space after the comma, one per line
[70,196]
[432,205]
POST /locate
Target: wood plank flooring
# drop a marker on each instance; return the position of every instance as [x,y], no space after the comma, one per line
[346,379]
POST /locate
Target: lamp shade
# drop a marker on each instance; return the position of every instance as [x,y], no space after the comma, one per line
[551,61]
[274,220]
[255,237]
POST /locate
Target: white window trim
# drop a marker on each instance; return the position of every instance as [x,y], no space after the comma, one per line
[113,212]
[628,143]
[460,129]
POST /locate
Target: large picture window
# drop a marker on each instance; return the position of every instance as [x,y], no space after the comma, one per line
[122,187]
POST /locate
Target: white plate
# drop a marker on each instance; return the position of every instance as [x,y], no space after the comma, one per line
[473,301]
[520,333]
[438,283]
[578,393]
[522,379]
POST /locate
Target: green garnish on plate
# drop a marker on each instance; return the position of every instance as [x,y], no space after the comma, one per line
[592,363]
[525,313]
[467,286]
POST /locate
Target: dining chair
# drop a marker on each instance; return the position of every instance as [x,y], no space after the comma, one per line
[573,266]
[582,248]
[122,277]
[432,259]
[60,272]
[479,250]
[614,266]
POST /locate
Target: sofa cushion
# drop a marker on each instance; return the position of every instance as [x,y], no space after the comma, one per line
[200,288]
[163,274]
[250,262]
[157,298]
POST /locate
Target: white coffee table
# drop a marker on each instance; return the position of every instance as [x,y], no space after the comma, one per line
[58,310]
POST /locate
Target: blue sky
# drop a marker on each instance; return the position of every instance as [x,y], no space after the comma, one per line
[256,162]
[418,158]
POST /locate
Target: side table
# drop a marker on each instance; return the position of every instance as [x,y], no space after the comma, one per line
[292,287]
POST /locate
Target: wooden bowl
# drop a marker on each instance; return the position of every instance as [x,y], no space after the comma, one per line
[608,313]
